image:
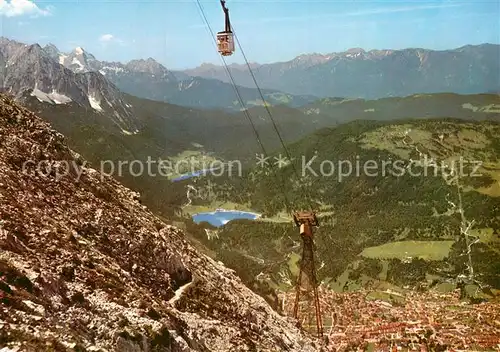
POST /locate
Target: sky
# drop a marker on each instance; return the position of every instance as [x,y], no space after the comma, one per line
[174,32]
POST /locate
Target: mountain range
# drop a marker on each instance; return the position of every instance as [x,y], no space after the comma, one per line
[30,70]
[352,74]
[357,73]
[146,78]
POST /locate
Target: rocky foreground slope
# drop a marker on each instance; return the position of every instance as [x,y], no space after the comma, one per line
[85,267]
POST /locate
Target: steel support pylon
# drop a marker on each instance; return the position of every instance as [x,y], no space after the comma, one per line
[306,285]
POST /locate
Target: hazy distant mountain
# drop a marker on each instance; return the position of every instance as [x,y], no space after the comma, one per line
[78,76]
[149,66]
[355,73]
[85,95]
[374,74]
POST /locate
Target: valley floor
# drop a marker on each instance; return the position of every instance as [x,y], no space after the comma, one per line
[429,321]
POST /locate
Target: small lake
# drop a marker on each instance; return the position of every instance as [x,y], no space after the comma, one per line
[194,174]
[221,217]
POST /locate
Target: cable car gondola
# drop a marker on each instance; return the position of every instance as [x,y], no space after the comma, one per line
[225,39]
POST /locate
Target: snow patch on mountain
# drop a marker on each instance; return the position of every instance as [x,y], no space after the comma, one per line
[94,103]
[51,98]
[62,57]
[129,133]
[115,69]
[75,61]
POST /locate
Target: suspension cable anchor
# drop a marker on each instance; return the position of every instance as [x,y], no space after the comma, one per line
[305,220]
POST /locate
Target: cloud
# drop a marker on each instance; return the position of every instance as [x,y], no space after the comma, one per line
[14,8]
[106,38]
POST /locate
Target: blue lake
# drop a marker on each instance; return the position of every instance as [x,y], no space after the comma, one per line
[221,217]
[193,174]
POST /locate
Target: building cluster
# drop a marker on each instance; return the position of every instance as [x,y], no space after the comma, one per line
[410,322]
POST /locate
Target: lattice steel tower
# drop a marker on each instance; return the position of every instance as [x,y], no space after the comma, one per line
[306,286]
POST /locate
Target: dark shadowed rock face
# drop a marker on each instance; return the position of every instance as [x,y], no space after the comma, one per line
[84,266]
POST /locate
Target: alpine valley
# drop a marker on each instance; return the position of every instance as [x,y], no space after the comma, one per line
[110,259]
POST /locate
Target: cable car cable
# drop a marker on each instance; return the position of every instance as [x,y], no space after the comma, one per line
[242,103]
[272,119]
[225,46]
[304,194]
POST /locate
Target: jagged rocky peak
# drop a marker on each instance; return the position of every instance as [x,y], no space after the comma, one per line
[6,42]
[380,52]
[356,53]
[314,58]
[355,50]
[317,58]
[91,269]
[12,48]
[208,65]
[35,48]
[51,46]
[244,67]
[51,50]
[79,51]
[304,61]
[79,60]
[149,65]
[26,55]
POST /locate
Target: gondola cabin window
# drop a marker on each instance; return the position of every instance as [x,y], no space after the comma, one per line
[225,43]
